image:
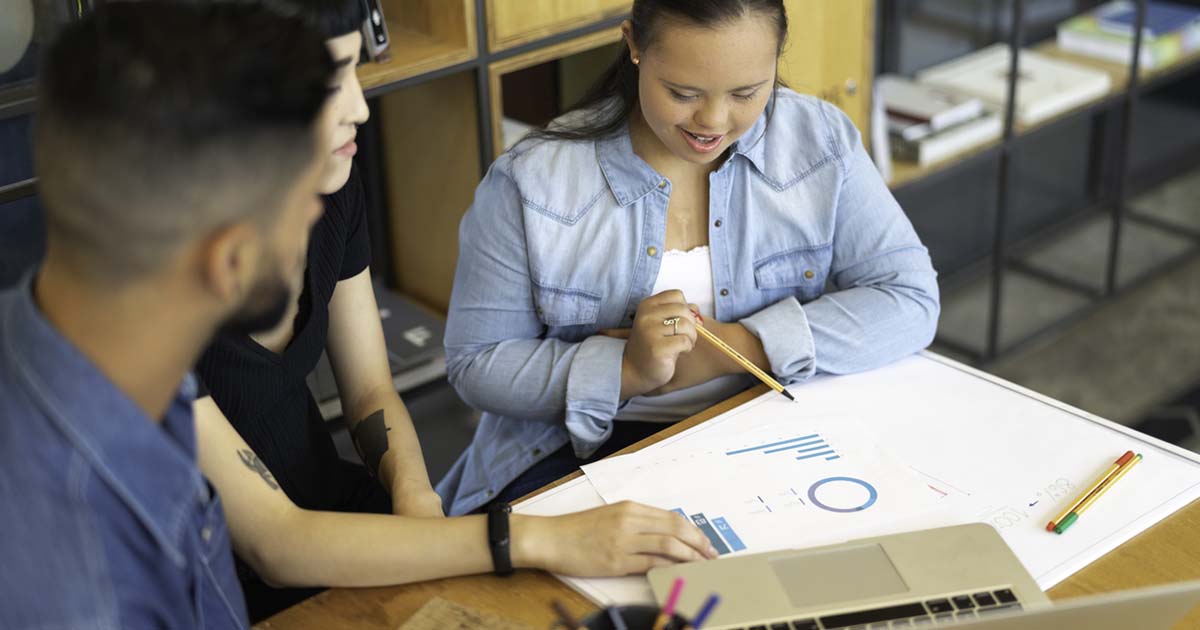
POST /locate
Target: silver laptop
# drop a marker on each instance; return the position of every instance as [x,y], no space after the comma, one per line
[953,576]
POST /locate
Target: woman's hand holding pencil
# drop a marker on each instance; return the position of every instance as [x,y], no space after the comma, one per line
[704,353]
[664,327]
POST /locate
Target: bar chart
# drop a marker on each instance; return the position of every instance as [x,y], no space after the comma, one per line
[718,531]
[801,447]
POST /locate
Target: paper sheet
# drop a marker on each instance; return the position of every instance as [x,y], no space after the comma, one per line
[800,483]
[994,452]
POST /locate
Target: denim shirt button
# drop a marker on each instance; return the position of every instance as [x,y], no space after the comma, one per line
[206,534]
[717,224]
[652,251]
[489,493]
[537,452]
[724,292]
[662,184]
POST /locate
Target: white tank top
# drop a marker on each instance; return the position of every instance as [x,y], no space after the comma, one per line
[690,272]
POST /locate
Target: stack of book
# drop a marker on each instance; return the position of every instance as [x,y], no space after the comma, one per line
[1171,32]
[927,125]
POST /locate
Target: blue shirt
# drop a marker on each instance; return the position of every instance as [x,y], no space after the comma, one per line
[810,252]
[108,523]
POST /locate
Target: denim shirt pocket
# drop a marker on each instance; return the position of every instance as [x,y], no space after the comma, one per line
[558,307]
[800,273]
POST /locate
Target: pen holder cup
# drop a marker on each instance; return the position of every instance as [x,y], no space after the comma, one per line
[635,618]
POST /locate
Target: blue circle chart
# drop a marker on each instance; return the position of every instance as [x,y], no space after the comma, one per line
[812,495]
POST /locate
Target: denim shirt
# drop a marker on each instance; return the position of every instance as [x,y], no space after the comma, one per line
[810,252]
[108,523]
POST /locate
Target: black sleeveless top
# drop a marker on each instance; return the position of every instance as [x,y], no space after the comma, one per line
[264,394]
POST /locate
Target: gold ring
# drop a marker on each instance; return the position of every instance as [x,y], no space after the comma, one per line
[673,323]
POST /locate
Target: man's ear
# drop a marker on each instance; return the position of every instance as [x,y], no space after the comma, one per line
[228,261]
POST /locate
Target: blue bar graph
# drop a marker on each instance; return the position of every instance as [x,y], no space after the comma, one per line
[807,446]
[792,446]
[702,522]
[763,447]
[723,527]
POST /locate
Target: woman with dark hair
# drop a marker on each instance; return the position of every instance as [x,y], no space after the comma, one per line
[263,443]
[688,183]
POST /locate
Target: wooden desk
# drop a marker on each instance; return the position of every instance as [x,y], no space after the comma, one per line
[1167,552]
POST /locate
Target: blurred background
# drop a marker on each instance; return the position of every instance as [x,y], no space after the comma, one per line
[1066,249]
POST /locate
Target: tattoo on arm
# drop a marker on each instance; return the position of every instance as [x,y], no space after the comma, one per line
[253,462]
[370,435]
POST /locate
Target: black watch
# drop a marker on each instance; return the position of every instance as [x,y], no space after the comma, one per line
[498,540]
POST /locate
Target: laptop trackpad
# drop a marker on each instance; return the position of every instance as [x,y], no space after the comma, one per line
[837,575]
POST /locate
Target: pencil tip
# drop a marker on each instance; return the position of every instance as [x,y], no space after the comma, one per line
[788,394]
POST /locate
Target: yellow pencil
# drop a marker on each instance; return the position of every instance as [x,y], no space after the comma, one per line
[743,361]
[1095,486]
[1112,481]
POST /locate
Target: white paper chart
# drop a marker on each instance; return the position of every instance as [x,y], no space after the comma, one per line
[799,483]
[984,449]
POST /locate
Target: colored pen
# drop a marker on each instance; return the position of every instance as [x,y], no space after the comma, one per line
[1074,516]
[566,617]
[705,611]
[1083,497]
[668,609]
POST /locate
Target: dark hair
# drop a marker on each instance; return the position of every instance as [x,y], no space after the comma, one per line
[331,18]
[611,100]
[156,121]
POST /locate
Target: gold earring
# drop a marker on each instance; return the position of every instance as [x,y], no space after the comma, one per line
[637,60]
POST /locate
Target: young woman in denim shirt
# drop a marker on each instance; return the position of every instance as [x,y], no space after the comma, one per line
[687,181]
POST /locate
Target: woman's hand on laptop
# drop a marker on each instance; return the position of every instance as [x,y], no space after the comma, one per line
[621,539]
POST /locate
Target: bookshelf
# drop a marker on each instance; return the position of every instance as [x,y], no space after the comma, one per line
[909,173]
[993,193]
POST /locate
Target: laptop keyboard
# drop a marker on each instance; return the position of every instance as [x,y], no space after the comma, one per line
[941,611]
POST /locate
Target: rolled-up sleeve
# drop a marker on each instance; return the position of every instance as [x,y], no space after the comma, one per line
[497,356]
[884,304]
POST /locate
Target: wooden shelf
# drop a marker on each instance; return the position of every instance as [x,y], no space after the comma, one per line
[515,22]
[426,36]
[431,162]
[905,173]
[413,54]
[1119,73]
[533,58]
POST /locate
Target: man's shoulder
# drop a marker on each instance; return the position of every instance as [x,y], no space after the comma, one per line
[54,542]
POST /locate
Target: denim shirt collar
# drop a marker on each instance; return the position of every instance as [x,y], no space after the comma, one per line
[753,144]
[630,178]
[151,468]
